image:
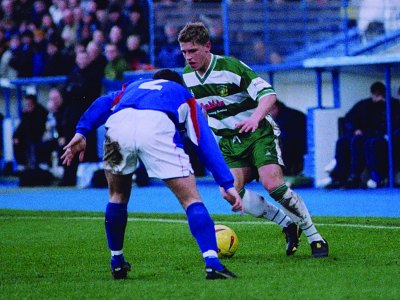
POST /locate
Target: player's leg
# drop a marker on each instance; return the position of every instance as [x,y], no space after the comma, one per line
[341,171]
[254,203]
[271,177]
[357,162]
[120,162]
[165,160]
[200,223]
[376,160]
[116,217]
[257,206]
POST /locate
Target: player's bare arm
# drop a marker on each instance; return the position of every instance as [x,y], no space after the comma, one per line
[76,145]
[264,106]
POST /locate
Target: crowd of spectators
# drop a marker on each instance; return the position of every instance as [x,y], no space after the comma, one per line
[84,40]
[41,37]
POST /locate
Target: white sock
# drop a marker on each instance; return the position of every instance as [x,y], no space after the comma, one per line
[255,205]
[312,234]
[119,252]
[295,207]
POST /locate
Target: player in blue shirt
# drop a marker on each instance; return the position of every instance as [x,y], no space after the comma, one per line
[143,121]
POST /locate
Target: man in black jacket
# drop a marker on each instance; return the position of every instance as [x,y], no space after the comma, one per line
[29,132]
[363,145]
[83,86]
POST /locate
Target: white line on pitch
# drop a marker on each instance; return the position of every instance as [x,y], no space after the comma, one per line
[158,220]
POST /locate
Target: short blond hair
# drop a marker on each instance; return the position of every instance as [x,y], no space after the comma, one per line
[195,32]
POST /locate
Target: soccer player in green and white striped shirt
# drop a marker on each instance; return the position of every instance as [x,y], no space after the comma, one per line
[237,102]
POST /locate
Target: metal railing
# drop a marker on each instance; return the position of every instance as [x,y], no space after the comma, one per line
[265,32]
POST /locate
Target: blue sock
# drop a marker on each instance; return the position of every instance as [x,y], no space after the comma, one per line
[117,260]
[202,228]
[116,217]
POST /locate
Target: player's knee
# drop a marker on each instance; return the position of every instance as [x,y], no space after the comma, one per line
[273,178]
[253,204]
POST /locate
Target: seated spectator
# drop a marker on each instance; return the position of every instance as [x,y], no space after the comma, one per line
[99,38]
[50,148]
[29,132]
[216,35]
[260,52]
[116,65]
[48,26]
[97,60]
[6,70]
[39,54]
[138,25]
[169,55]
[363,145]
[39,10]
[377,18]
[56,10]
[22,58]
[56,62]
[116,37]
[262,55]
[86,26]
[115,18]
[135,56]
[68,28]
[293,137]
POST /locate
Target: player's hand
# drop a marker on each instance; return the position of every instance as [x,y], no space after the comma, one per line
[233,197]
[76,145]
[250,124]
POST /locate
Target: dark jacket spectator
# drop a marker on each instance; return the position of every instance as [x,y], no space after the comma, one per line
[169,55]
[138,24]
[116,18]
[29,131]
[56,62]
[39,54]
[363,145]
[135,56]
[82,87]
[97,60]
[22,58]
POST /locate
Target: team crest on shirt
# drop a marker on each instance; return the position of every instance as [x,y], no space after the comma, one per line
[222,90]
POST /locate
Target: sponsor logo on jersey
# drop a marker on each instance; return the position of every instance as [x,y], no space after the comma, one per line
[212,104]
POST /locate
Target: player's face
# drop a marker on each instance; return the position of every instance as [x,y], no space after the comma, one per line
[197,56]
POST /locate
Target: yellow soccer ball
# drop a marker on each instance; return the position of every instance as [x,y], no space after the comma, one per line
[227,241]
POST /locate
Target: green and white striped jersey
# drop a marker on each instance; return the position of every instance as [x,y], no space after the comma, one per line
[229,92]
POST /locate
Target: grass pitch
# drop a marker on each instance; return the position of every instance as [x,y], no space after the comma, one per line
[64,255]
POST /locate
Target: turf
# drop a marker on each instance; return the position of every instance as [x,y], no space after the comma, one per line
[64,255]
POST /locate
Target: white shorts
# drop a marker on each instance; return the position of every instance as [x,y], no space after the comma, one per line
[148,135]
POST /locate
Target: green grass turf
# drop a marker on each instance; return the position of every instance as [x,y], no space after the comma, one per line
[64,255]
